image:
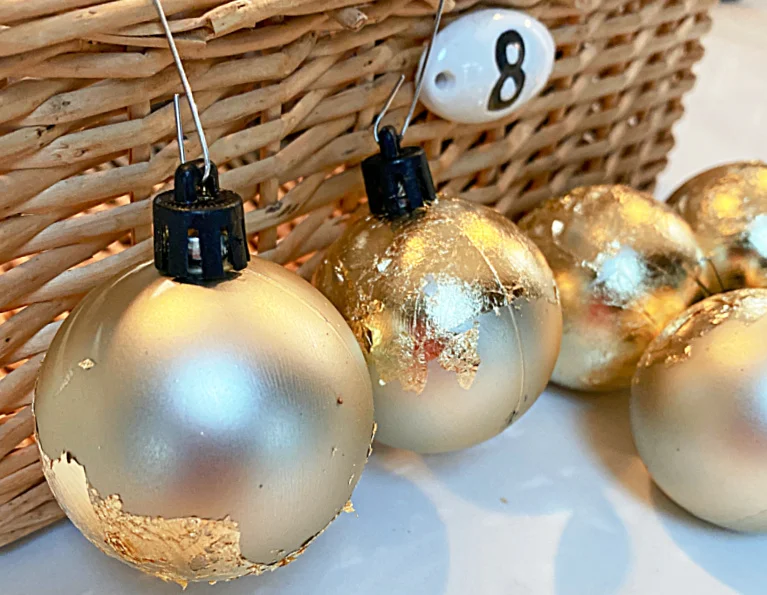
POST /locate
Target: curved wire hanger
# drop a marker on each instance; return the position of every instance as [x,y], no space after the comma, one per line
[196,114]
[419,77]
[189,98]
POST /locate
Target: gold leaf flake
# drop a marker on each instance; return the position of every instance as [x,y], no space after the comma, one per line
[460,356]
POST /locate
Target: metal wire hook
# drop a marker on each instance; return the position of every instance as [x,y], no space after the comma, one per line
[179,129]
[387,105]
[419,77]
[189,97]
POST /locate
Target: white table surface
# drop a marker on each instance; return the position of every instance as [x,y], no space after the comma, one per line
[559,504]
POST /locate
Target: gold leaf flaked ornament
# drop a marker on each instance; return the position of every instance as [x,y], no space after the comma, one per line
[403,316]
[626,265]
[676,343]
[457,314]
[207,549]
[186,497]
[697,410]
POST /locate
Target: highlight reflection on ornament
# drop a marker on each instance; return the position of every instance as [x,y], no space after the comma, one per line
[699,410]
[458,316]
[727,209]
[625,265]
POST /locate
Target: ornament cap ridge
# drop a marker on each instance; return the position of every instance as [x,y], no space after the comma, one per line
[199,229]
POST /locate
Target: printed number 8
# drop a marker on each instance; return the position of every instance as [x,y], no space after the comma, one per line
[508,70]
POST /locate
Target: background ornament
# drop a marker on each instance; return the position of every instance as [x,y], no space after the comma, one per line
[697,410]
[727,209]
[625,266]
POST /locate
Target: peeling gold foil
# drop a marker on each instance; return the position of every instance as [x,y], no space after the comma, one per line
[625,265]
[180,550]
[676,343]
[422,294]
[727,209]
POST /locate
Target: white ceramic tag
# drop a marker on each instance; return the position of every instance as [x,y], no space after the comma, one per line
[486,64]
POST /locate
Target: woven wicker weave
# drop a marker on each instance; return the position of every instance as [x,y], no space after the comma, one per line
[288,91]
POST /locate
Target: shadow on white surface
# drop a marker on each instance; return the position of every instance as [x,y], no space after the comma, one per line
[356,555]
[725,555]
[735,559]
[542,473]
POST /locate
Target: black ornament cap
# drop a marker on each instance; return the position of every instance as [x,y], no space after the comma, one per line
[199,229]
[398,181]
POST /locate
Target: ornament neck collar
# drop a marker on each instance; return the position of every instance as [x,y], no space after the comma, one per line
[199,229]
[398,181]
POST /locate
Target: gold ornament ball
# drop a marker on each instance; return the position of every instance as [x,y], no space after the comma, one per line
[699,410]
[204,431]
[458,316]
[625,265]
[727,209]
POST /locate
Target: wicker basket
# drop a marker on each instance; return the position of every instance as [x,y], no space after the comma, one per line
[288,92]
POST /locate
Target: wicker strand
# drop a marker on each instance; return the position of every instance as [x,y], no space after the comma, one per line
[18,459]
[15,386]
[21,480]
[15,429]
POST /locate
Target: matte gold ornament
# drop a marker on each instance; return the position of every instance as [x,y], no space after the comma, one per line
[458,315]
[204,431]
[698,406]
[200,418]
[727,209]
[625,266]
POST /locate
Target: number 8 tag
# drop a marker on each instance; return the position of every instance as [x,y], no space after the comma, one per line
[486,64]
[508,70]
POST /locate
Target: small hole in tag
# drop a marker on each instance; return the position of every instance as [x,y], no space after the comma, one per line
[444,81]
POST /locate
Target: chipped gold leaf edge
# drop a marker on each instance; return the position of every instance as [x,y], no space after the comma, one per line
[76,492]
